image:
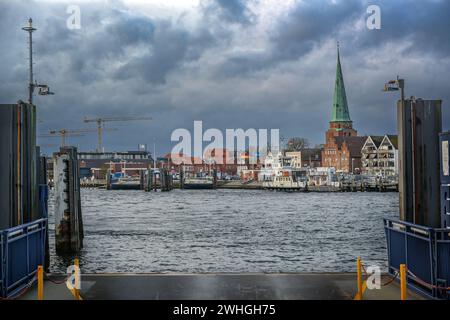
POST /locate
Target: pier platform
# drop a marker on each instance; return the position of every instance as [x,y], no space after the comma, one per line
[247,286]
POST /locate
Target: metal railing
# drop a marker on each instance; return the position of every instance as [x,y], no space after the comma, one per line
[1,265]
[426,253]
[22,251]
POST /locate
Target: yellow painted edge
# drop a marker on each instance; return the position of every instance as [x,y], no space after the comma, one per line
[76,294]
[364,287]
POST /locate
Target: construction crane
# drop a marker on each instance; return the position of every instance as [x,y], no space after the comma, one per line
[101,121]
[63,133]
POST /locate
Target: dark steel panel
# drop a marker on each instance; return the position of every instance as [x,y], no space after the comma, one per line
[427,160]
[6,158]
[419,125]
[18,199]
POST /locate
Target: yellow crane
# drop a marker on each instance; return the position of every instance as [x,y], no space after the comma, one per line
[101,121]
[63,133]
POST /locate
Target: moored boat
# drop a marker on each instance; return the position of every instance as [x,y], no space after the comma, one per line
[198,183]
[288,180]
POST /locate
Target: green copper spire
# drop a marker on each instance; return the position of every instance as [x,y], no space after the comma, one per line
[340,107]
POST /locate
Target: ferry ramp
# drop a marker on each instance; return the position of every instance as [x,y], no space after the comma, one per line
[248,286]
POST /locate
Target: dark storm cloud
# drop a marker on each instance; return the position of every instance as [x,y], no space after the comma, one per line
[310,23]
[169,47]
[298,33]
[424,24]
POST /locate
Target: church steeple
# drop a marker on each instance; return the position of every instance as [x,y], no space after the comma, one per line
[340,107]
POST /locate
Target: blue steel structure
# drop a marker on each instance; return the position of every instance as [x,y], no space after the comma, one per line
[22,250]
[411,244]
[426,253]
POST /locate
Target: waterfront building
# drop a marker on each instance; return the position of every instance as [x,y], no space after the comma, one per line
[218,159]
[127,162]
[380,155]
[279,164]
[342,149]
[311,157]
[271,165]
[293,159]
[96,164]
[192,166]
[227,163]
[321,176]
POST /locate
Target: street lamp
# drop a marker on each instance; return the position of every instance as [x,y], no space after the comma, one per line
[396,85]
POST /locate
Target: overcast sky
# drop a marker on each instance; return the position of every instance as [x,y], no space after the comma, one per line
[230,63]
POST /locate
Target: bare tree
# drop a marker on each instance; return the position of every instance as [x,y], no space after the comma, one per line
[297,144]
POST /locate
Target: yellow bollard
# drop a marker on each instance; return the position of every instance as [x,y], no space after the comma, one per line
[40,277]
[77,279]
[403,282]
[359,279]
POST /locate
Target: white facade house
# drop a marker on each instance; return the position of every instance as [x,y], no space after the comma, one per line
[271,166]
[293,159]
[379,156]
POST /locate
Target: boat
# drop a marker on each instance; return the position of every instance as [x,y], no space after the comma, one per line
[198,183]
[287,180]
[123,182]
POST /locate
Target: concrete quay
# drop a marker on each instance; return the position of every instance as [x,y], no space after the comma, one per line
[220,286]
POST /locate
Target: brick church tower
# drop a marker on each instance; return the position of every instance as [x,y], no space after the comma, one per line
[340,125]
[342,148]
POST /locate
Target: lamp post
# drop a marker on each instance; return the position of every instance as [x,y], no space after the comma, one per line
[396,85]
[43,88]
[399,85]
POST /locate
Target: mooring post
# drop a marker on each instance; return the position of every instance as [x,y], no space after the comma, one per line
[359,278]
[148,185]
[162,178]
[181,176]
[40,278]
[170,176]
[108,179]
[403,282]
[68,219]
[141,180]
[77,279]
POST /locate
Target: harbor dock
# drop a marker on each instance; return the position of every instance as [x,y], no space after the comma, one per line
[255,185]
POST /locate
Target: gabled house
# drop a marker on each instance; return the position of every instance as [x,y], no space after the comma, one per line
[379,156]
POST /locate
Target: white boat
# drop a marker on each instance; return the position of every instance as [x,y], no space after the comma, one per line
[287,180]
[198,183]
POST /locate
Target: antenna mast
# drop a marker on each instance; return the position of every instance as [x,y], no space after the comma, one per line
[43,88]
[30,31]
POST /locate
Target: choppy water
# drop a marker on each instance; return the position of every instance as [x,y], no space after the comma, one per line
[230,231]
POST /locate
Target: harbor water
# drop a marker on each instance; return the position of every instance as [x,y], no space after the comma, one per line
[229,231]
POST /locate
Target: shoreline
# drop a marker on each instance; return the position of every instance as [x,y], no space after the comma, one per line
[238,185]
